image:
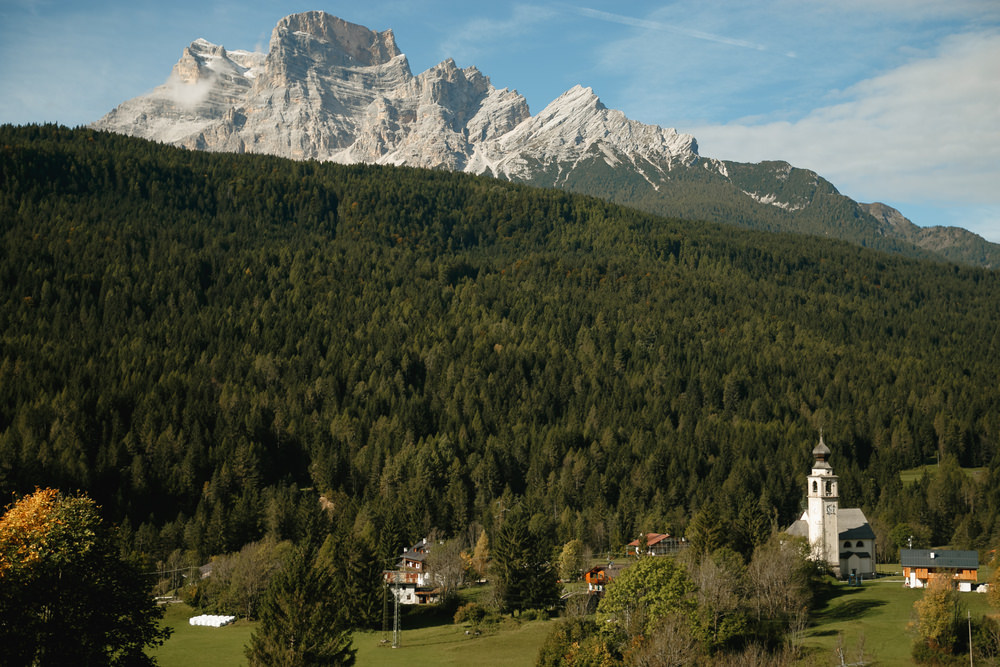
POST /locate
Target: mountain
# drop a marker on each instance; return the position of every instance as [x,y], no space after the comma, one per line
[330,90]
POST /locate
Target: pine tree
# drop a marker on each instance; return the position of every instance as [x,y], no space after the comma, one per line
[299,623]
[524,578]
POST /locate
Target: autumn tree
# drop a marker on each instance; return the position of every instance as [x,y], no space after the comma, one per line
[445,565]
[67,596]
[780,581]
[937,618]
[722,613]
[479,561]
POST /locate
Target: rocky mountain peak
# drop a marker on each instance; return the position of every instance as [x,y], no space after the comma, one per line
[332,90]
[336,40]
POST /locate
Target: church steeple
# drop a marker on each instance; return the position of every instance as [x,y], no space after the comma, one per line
[824,501]
[821,452]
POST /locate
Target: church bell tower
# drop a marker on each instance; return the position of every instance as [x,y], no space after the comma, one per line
[823,505]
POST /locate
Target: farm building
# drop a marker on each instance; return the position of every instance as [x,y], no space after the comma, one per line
[410,581]
[656,544]
[920,566]
[600,576]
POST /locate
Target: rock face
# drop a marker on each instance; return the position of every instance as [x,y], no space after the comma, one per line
[332,90]
[573,127]
[326,90]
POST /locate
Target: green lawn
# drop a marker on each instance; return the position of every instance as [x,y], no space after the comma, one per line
[511,643]
[192,646]
[914,474]
[879,611]
[508,643]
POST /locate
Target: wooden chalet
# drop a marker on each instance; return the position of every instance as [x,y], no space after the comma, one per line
[921,566]
[410,581]
[600,576]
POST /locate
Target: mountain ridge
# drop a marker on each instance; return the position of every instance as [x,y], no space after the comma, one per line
[331,90]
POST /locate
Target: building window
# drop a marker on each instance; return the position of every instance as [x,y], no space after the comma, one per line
[847,545]
[828,487]
[860,544]
[815,488]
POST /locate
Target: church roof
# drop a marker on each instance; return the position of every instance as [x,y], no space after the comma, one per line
[799,528]
[853,525]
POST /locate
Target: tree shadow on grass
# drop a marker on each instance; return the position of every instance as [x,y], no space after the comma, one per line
[836,603]
[425,616]
[849,610]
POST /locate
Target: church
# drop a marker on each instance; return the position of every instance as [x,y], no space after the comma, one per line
[839,537]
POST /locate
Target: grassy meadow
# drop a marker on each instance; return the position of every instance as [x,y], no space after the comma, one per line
[914,474]
[191,646]
[874,616]
[430,640]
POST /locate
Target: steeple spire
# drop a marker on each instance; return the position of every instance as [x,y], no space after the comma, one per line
[821,453]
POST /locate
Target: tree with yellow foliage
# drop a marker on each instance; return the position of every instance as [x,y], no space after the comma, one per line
[937,618]
[67,596]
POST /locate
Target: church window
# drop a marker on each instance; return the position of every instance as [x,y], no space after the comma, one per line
[815,488]
[828,487]
[860,543]
[847,545]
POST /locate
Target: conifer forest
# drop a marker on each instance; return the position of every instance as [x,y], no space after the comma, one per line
[212,345]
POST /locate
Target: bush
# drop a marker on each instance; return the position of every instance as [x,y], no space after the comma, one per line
[567,635]
[471,612]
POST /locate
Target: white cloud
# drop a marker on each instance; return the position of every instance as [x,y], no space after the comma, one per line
[653,25]
[928,130]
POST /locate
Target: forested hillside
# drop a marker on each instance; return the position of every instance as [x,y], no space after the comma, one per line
[770,196]
[194,338]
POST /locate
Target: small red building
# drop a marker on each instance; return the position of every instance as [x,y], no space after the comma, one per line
[657,544]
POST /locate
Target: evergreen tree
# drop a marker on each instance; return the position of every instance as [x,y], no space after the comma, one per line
[299,620]
[524,577]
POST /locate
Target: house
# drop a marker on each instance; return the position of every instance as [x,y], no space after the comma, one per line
[920,566]
[411,583]
[657,544]
[840,537]
[600,576]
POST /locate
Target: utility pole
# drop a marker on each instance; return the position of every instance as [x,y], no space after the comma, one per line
[970,636]
[393,576]
[395,614]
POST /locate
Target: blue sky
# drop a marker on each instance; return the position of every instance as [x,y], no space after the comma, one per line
[892,100]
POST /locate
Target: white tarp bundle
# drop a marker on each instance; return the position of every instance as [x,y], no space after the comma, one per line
[211,620]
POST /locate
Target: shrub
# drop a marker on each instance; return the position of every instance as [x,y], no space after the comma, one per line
[471,612]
